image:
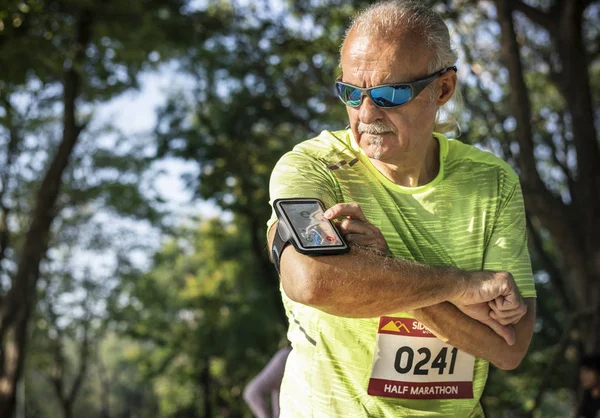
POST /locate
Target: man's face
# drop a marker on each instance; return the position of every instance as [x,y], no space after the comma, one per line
[589,378]
[389,135]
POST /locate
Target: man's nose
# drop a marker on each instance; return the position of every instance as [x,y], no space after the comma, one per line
[368,112]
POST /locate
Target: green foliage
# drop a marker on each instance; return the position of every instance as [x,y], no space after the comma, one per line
[207,326]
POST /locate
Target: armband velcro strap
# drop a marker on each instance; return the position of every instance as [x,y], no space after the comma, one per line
[277,248]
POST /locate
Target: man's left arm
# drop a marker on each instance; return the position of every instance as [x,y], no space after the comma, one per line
[495,332]
[486,331]
[484,340]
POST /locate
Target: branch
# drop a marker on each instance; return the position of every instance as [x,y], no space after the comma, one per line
[519,97]
[56,385]
[505,142]
[557,357]
[594,54]
[19,302]
[20,298]
[166,362]
[547,138]
[83,363]
[563,131]
[11,151]
[57,374]
[4,235]
[553,213]
[556,278]
[534,14]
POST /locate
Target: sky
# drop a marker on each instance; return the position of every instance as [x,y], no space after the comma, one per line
[134,112]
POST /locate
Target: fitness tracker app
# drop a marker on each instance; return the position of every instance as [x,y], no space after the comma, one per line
[309,223]
[301,222]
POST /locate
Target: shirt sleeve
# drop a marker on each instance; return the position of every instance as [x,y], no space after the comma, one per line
[507,247]
[298,174]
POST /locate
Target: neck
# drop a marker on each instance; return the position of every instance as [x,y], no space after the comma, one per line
[415,168]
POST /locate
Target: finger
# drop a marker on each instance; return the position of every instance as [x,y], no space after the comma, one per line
[507,332]
[509,314]
[508,317]
[506,310]
[359,239]
[366,242]
[354,226]
[507,302]
[352,210]
[506,320]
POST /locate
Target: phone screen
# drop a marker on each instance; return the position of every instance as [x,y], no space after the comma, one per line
[310,226]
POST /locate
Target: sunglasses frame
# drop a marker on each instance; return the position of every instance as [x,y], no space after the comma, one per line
[416,86]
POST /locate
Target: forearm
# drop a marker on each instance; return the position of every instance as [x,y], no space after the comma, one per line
[365,284]
[452,326]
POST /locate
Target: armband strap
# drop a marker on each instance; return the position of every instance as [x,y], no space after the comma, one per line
[277,248]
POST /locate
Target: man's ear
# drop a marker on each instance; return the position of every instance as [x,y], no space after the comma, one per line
[447,85]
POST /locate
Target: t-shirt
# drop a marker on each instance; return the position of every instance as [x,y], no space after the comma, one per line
[470,215]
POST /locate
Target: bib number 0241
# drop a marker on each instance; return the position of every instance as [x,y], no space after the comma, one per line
[405,359]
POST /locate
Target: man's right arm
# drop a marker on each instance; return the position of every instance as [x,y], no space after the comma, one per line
[365,284]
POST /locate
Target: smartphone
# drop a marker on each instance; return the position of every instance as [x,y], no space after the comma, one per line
[302,223]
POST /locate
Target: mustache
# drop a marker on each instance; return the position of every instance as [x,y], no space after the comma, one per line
[377,127]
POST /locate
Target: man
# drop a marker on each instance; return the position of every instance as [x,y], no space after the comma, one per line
[437,230]
[589,376]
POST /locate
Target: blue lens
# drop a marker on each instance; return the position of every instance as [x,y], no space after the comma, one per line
[349,95]
[387,96]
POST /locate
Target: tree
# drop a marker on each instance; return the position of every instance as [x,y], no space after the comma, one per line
[206,326]
[72,54]
[572,224]
[188,333]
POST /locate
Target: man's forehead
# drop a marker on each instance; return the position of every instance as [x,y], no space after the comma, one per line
[404,54]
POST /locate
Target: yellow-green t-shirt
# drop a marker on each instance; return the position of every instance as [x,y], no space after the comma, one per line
[470,216]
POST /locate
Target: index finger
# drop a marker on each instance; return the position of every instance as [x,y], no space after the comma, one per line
[507,303]
[352,210]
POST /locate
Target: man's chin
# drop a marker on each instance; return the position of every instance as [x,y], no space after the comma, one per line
[375,151]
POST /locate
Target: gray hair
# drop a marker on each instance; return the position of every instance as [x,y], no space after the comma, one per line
[386,19]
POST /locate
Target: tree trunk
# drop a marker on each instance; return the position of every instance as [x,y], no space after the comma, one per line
[574,228]
[206,387]
[104,390]
[575,86]
[20,300]
[66,409]
[258,245]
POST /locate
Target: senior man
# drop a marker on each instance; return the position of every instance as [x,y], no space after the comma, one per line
[438,282]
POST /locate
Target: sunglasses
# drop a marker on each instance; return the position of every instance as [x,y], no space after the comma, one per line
[386,95]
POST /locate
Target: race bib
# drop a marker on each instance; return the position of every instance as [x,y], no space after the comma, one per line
[411,363]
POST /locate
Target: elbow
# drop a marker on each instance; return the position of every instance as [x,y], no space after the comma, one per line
[250,392]
[510,361]
[304,287]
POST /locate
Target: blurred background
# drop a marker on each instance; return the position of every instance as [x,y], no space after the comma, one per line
[136,143]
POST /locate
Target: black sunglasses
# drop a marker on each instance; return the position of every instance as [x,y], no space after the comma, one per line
[386,95]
